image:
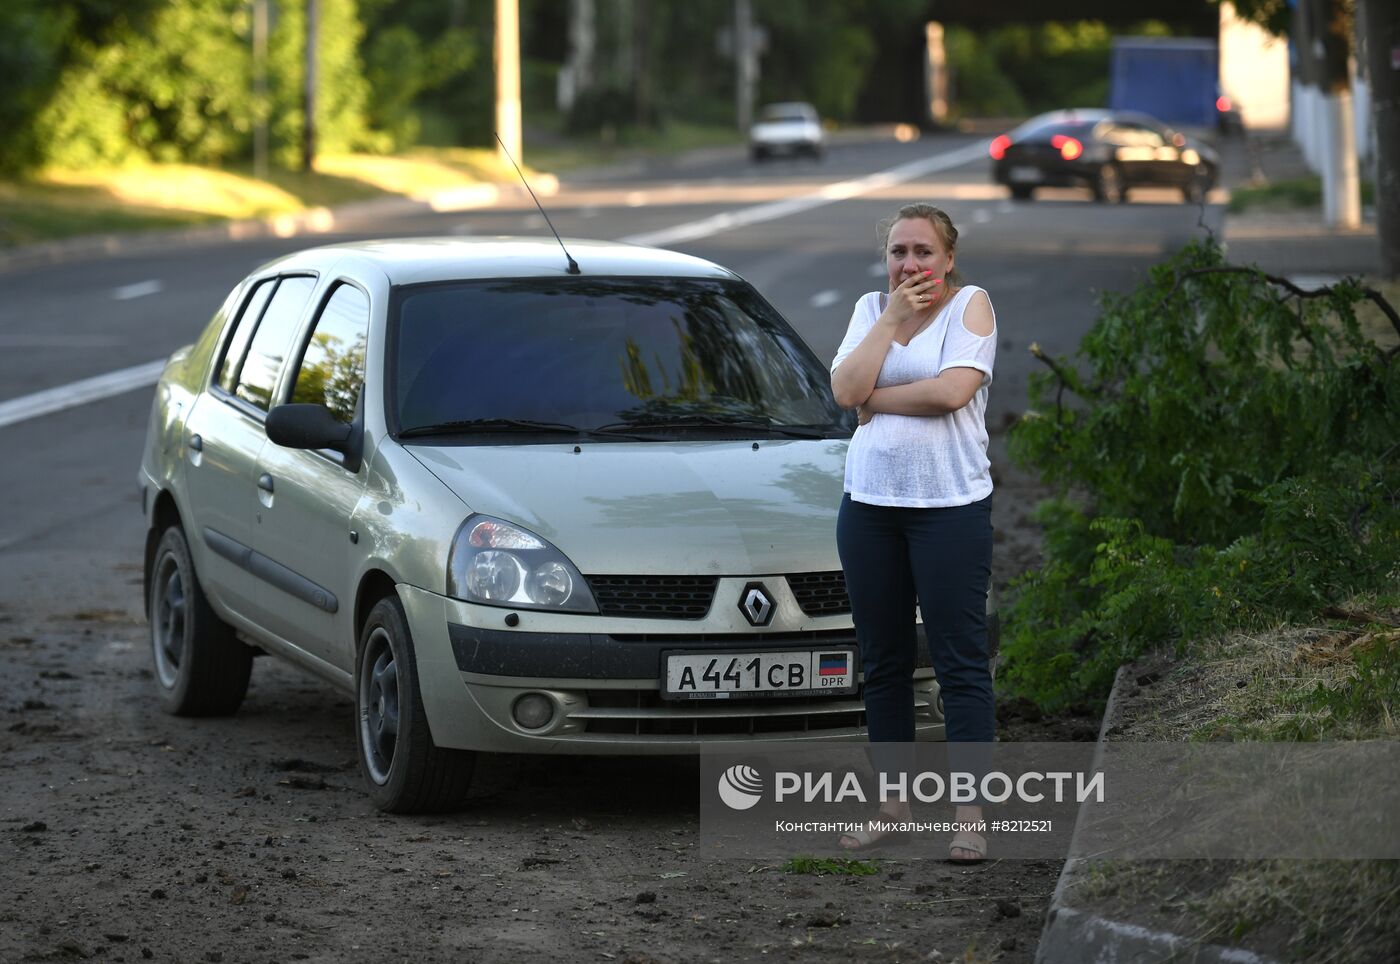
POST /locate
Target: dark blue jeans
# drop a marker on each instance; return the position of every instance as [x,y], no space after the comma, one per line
[941,559]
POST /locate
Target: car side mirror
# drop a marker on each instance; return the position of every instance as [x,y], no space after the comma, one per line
[307,426]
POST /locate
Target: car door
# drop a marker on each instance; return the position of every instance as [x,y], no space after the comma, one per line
[305,498]
[222,441]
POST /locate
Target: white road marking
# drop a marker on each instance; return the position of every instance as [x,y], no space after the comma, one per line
[138,290]
[830,194]
[64,397]
[824,298]
[72,395]
[981,216]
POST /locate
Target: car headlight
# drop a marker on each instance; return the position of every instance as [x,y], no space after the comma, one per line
[501,564]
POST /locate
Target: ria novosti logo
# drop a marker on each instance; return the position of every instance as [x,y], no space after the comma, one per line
[740,787]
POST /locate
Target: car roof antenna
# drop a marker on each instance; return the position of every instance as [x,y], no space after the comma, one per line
[573,265]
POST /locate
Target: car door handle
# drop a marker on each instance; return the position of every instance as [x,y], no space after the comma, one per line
[196,443]
[265,483]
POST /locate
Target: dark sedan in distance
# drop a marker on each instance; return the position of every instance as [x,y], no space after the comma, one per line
[1109,152]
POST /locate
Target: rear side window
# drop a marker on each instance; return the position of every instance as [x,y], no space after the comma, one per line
[243,332]
[258,377]
[332,369]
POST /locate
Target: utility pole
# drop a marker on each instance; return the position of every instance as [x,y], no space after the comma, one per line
[1381,23]
[508,76]
[260,89]
[1330,28]
[744,72]
[308,127]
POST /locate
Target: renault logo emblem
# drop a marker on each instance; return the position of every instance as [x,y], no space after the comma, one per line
[756,606]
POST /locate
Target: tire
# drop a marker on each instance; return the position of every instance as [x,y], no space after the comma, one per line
[758,155]
[1195,190]
[201,668]
[404,770]
[1108,185]
[1021,192]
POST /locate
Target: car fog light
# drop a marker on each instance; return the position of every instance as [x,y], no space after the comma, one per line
[550,584]
[533,710]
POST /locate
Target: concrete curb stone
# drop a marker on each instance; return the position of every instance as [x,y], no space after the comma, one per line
[1075,936]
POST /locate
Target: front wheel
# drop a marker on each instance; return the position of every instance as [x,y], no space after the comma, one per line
[1108,185]
[404,770]
[201,668]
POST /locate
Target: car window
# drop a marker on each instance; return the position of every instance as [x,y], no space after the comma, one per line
[258,376]
[332,370]
[595,352]
[243,331]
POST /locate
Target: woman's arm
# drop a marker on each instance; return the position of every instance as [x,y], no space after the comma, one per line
[950,390]
[854,379]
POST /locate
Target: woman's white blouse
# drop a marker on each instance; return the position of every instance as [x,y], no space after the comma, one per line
[923,461]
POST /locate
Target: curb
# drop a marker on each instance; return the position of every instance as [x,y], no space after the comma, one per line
[312,221]
[1072,936]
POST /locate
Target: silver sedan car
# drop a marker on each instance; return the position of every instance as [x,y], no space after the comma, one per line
[505,506]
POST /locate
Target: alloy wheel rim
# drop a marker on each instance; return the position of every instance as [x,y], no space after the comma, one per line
[170,617]
[379,706]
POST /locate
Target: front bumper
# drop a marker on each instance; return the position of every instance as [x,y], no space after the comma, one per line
[602,678]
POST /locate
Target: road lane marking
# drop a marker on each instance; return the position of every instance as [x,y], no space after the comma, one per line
[94,389]
[128,379]
[822,299]
[138,290]
[830,194]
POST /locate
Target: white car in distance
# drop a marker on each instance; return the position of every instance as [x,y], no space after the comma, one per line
[787,129]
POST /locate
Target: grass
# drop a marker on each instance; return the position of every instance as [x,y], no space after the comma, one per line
[821,866]
[1337,679]
[1302,192]
[58,204]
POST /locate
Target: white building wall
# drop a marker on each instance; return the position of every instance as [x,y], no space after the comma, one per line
[1254,71]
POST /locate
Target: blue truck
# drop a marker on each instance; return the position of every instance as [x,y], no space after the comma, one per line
[1175,79]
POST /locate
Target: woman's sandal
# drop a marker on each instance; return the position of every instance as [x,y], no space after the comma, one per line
[967,840]
[869,841]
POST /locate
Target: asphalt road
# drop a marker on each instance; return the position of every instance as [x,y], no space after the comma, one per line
[122,829]
[69,518]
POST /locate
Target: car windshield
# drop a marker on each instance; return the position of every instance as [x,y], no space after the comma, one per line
[657,357]
[784,115]
[1042,129]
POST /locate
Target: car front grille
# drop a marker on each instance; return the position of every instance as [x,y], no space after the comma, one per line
[654,597]
[820,593]
[645,714]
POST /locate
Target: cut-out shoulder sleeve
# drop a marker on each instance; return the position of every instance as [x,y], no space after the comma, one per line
[965,347]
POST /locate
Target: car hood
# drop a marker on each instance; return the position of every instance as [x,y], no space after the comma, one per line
[720,508]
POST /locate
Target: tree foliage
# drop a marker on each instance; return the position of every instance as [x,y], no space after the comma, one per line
[1225,452]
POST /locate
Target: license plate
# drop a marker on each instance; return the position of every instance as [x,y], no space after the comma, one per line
[1024,174]
[699,676]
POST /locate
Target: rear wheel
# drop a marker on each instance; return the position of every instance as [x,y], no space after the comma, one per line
[201,668]
[404,770]
[1108,185]
[1195,190]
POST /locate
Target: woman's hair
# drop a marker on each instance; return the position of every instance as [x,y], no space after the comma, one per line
[942,226]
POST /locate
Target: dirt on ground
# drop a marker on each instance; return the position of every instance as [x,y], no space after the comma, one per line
[130,835]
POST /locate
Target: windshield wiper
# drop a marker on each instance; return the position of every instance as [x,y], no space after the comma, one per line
[489,426]
[703,420]
[467,425]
